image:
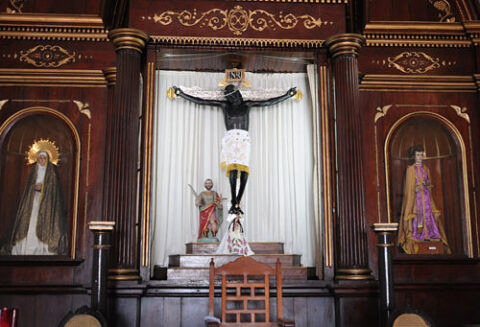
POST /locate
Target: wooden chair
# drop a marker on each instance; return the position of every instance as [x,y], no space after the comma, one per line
[245,294]
[8,317]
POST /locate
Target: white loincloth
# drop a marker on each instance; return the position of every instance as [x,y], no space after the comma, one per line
[235,151]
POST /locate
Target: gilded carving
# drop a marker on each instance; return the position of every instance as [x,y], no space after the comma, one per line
[84,108]
[2,103]
[381,111]
[413,62]
[444,7]
[47,56]
[237,20]
[15,6]
[233,41]
[461,112]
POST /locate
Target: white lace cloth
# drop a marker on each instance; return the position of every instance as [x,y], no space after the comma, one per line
[234,241]
[253,95]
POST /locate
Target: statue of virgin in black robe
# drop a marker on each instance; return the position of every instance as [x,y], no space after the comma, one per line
[40,226]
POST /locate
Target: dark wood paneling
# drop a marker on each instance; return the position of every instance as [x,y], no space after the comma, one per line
[356,304]
[53,6]
[45,310]
[446,304]
[125,312]
[409,10]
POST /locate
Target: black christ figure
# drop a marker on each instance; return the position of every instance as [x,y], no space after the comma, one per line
[235,111]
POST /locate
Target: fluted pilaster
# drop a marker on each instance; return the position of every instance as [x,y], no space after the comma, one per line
[121,197]
[351,250]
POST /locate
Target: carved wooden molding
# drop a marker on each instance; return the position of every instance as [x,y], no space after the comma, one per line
[443,6]
[52,77]
[417,83]
[128,38]
[413,62]
[477,80]
[84,108]
[461,112]
[47,56]
[418,34]
[52,27]
[382,111]
[15,6]
[226,41]
[237,20]
[2,103]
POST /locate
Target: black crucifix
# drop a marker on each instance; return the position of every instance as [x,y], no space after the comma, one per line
[236,142]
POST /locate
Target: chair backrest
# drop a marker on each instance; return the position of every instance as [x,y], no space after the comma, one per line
[245,290]
[8,317]
[83,317]
[409,317]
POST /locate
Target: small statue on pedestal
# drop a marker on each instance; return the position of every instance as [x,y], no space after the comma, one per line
[210,205]
[234,241]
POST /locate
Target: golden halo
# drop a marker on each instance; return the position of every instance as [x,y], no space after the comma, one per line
[46,146]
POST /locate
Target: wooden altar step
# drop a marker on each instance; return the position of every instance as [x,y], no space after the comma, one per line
[257,247]
[194,264]
[201,273]
[203,260]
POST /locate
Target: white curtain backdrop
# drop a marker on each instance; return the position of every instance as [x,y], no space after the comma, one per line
[278,201]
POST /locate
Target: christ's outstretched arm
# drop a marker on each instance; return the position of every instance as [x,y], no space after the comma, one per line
[269,102]
[196,100]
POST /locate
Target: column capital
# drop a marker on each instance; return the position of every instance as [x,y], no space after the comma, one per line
[110,75]
[128,38]
[476,77]
[342,44]
[101,225]
[385,227]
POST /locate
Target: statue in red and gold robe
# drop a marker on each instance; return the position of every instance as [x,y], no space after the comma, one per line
[210,205]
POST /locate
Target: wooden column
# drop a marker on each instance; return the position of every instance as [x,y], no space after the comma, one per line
[121,196]
[351,242]
[385,244]
[101,250]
